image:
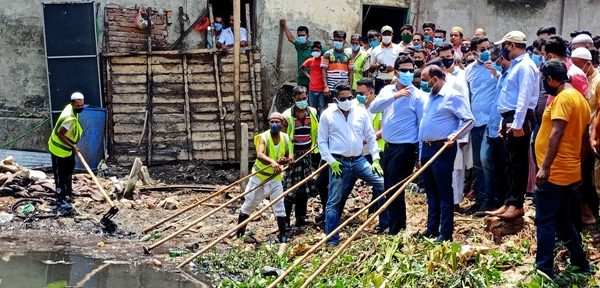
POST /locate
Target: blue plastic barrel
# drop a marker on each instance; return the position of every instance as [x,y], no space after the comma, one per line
[91,144]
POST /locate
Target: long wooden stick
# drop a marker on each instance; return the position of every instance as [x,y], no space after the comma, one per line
[194,205]
[195,222]
[252,217]
[87,167]
[384,206]
[332,233]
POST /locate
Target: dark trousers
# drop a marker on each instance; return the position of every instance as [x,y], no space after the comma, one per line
[493,160]
[588,189]
[322,182]
[399,162]
[300,201]
[557,207]
[477,136]
[438,186]
[517,162]
[63,174]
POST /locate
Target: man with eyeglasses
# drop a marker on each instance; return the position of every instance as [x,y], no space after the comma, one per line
[342,129]
[402,108]
[482,88]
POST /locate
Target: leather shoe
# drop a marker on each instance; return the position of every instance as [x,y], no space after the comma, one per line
[458,209]
[441,239]
[426,234]
[498,211]
[511,213]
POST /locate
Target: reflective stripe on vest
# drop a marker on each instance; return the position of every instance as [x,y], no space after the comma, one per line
[284,147]
[314,126]
[56,146]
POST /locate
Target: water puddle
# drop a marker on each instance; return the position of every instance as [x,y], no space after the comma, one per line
[59,269]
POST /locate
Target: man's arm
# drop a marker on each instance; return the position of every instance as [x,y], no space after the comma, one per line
[462,111]
[62,135]
[287,31]
[326,90]
[558,129]
[595,132]
[260,155]
[323,139]
[369,136]
[243,37]
[529,81]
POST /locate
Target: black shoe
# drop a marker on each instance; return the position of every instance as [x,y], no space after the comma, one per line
[441,239]
[320,218]
[282,229]
[473,209]
[426,234]
[242,230]
[301,221]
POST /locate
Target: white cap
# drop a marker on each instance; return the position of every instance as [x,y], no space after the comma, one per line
[582,38]
[77,96]
[514,37]
[276,115]
[582,53]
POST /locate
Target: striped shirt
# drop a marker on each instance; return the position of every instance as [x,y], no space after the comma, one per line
[302,141]
[339,65]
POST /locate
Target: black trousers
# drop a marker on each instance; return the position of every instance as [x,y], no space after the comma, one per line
[398,163]
[517,162]
[63,174]
[588,189]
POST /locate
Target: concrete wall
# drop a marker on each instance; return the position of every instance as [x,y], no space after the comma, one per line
[23,88]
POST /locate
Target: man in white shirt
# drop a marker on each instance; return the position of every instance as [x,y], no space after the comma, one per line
[342,129]
[226,38]
[383,57]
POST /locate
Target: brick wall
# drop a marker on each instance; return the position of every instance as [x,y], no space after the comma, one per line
[122,36]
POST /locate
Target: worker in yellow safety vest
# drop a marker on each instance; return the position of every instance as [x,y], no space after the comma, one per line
[273,149]
[63,147]
[302,126]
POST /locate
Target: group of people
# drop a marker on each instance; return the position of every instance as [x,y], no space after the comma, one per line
[520,113]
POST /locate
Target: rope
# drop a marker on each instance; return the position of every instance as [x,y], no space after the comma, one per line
[26,134]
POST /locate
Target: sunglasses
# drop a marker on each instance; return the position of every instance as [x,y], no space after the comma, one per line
[344,99]
[404,70]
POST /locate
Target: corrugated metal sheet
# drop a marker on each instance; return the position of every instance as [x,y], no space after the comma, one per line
[28,159]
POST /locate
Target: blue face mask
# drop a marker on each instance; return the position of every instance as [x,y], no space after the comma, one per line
[505,53]
[302,104]
[427,38]
[497,67]
[302,39]
[484,56]
[275,128]
[406,78]
[537,59]
[218,26]
[338,45]
[438,41]
[362,99]
[425,87]
[373,43]
[355,48]
[418,46]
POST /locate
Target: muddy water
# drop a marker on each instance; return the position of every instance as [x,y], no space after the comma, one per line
[58,269]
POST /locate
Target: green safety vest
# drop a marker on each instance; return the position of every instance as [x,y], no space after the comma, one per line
[284,148]
[376,127]
[56,146]
[314,126]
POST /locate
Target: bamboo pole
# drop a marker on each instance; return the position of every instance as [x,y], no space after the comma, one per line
[236,75]
[348,241]
[252,217]
[217,75]
[195,222]
[332,233]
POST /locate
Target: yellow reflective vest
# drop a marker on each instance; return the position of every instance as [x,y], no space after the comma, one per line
[376,127]
[56,146]
[285,148]
[314,126]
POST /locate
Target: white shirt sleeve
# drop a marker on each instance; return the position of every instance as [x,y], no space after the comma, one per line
[67,124]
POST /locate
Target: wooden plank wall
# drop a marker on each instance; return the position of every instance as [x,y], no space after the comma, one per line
[195,132]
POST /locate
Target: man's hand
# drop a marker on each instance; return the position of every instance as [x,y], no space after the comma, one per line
[389,69]
[377,167]
[402,92]
[418,165]
[491,68]
[276,166]
[516,132]
[462,145]
[290,160]
[282,23]
[336,168]
[76,149]
[542,176]
[326,91]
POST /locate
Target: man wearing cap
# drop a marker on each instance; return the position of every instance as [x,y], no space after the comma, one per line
[383,57]
[62,145]
[516,101]
[273,149]
[342,130]
[582,40]
[456,38]
[582,58]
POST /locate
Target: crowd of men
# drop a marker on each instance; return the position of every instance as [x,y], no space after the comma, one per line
[377,110]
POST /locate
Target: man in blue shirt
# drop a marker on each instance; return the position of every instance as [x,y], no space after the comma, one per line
[402,108]
[444,112]
[482,88]
[516,101]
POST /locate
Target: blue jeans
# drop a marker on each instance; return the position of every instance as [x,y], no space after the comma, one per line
[316,100]
[493,160]
[477,136]
[340,188]
[557,208]
[438,186]
[399,163]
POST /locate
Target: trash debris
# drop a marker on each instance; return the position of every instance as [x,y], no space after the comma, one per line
[59,262]
[271,271]
[101,244]
[170,203]
[6,217]
[27,209]
[156,263]
[178,253]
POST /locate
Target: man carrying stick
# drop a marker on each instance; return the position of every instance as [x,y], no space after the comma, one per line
[273,148]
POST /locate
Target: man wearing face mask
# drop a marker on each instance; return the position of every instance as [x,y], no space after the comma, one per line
[517,99]
[482,88]
[365,94]
[382,59]
[303,45]
[273,149]
[301,126]
[439,37]
[402,109]
[555,47]
[62,145]
[406,32]
[312,69]
[445,112]
[419,58]
[428,35]
[359,57]
[218,24]
[342,129]
[337,64]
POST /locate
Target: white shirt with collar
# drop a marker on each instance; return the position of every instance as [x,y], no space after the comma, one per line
[226,37]
[344,136]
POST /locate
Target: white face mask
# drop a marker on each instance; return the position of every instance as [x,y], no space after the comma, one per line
[344,105]
[386,39]
[315,54]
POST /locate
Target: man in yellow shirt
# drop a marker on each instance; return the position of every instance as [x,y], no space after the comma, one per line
[558,148]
